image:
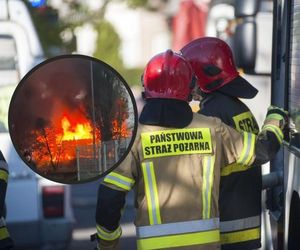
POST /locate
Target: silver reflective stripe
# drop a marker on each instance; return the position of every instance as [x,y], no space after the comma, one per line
[240,224]
[3,165]
[119,180]
[177,228]
[108,235]
[247,149]
[151,189]
[2,222]
[208,170]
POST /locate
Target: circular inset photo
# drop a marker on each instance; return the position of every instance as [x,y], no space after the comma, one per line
[72,119]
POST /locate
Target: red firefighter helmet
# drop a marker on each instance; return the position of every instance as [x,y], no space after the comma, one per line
[213,64]
[167,75]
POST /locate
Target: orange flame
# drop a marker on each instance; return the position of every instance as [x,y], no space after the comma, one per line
[57,144]
[120,129]
[75,132]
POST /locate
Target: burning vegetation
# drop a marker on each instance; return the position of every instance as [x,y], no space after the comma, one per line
[72,108]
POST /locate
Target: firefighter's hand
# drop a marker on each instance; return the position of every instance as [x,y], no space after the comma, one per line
[278,114]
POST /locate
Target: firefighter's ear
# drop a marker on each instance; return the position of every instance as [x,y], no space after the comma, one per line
[142,80]
[143,91]
[193,82]
[192,86]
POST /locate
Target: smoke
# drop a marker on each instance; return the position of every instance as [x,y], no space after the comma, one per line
[47,92]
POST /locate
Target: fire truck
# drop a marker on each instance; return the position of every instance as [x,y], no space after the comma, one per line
[269,32]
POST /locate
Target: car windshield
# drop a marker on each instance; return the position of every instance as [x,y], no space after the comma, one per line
[8,53]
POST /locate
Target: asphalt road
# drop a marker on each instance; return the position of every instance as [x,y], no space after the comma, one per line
[84,205]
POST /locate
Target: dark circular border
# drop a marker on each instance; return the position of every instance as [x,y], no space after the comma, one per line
[85,57]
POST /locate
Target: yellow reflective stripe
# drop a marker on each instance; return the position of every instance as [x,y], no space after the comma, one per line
[3,175]
[176,142]
[208,172]
[248,149]
[240,236]
[277,131]
[107,235]
[233,168]
[180,240]
[119,181]
[3,233]
[274,116]
[151,193]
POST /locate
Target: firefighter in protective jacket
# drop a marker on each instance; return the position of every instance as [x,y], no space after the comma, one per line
[240,187]
[5,240]
[174,165]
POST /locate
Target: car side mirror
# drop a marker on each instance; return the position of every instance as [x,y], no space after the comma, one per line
[245,8]
[244,43]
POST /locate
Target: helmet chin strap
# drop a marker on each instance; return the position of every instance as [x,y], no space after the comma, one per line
[192,86]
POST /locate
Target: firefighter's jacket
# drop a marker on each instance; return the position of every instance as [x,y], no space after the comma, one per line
[240,186]
[176,174]
[5,240]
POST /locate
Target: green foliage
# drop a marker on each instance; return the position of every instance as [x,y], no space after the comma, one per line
[49,28]
[132,76]
[108,50]
[108,45]
[136,3]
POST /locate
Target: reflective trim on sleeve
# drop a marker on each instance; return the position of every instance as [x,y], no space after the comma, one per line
[177,228]
[240,224]
[104,234]
[189,239]
[2,222]
[233,168]
[3,165]
[3,233]
[208,173]
[277,131]
[119,181]
[248,149]
[240,236]
[151,193]
[3,175]
[274,116]
[245,122]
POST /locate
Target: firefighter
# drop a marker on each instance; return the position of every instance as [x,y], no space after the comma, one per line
[174,165]
[6,242]
[221,87]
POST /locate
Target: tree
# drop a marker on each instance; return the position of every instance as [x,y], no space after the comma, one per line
[108,91]
[51,26]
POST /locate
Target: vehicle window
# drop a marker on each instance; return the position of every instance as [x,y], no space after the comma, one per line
[294,74]
[9,77]
[8,53]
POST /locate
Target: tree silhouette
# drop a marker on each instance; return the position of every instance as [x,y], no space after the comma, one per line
[108,98]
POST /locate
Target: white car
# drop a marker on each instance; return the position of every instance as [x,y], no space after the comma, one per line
[38,211]
[39,214]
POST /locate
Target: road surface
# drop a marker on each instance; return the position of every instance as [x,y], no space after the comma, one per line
[84,204]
